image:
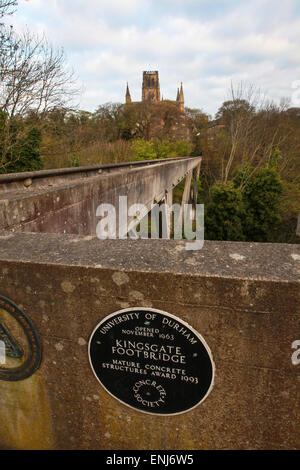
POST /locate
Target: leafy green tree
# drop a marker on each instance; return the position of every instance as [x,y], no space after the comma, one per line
[164,149]
[251,214]
[182,148]
[261,197]
[241,175]
[25,155]
[224,214]
[144,150]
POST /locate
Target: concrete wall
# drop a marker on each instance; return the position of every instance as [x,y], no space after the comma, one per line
[242,298]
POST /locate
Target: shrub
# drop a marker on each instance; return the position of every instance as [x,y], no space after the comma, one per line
[25,155]
[262,204]
[73,161]
[182,148]
[143,150]
[149,150]
[224,214]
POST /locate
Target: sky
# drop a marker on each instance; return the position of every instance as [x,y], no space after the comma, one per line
[206,44]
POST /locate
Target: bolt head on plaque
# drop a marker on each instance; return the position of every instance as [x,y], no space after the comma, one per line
[151,361]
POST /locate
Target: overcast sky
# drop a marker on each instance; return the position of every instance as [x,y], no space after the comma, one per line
[206,44]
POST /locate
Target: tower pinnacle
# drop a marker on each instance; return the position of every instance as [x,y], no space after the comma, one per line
[128,97]
[181,99]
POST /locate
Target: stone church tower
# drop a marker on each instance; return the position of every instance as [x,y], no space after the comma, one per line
[151,88]
[151,91]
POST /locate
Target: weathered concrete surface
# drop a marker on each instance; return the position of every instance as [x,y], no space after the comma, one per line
[67,203]
[242,298]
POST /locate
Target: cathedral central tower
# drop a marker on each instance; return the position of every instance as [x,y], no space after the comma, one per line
[151,88]
[151,92]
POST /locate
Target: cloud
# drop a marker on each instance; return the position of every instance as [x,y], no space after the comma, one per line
[202,43]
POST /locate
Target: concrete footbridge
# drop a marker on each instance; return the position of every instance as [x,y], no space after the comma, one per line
[139,344]
[66,200]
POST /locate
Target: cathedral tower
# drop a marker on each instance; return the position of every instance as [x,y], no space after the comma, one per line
[151,91]
[151,88]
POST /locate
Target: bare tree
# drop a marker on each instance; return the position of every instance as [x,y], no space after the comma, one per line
[34,79]
[7,7]
[240,122]
[253,130]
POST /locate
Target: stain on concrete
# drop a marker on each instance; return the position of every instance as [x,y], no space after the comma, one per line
[191,261]
[237,256]
[23,426]
[245,289]
[67,287]
[136,295]
[120,278]
[123,304]
[77,240]
[6,237]
[42,304]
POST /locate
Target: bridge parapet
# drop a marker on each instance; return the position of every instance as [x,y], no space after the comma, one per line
[66,200]
[243,298]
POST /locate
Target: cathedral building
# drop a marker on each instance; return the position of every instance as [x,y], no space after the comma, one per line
[151,91]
